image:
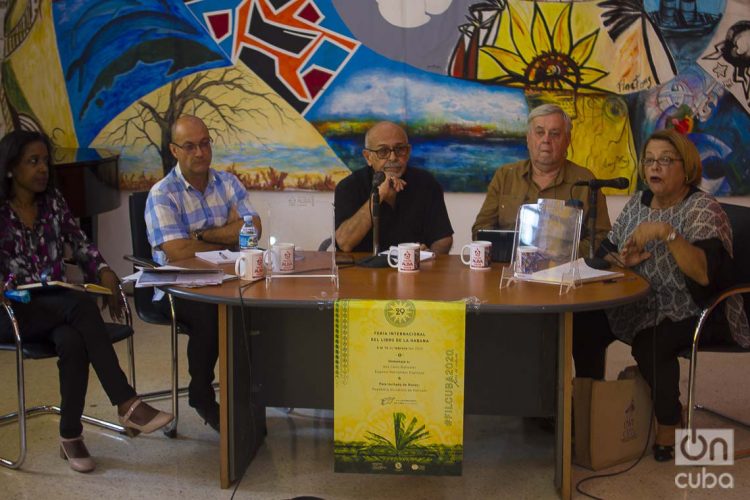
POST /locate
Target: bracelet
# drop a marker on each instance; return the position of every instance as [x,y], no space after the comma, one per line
[671,236]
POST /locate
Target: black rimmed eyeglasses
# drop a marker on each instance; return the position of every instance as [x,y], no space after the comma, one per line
[191,148]
[385,152]
[664,161]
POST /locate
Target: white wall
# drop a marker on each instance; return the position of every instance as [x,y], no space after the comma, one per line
[306,219]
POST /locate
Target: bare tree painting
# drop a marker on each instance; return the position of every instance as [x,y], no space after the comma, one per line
[232,103]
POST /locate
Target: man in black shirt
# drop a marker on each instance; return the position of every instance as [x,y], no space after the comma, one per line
[412,208]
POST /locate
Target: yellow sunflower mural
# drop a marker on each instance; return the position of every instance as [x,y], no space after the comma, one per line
[537,57]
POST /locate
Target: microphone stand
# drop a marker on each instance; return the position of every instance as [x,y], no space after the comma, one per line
[592,261]
[375,260]
[375,221]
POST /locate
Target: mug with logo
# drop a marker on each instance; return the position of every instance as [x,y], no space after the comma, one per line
[249,265]
[529,259]
[407,255]
[280,258]
[480,255]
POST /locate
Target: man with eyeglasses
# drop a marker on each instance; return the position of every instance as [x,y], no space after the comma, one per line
[194,209]
[412,207]
[546,174]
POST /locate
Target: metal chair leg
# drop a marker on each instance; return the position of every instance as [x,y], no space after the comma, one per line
[692,405]
[175,392]
[691,385]
[131,349]
[733,420]
[5,462]
[171,430]
[24,413]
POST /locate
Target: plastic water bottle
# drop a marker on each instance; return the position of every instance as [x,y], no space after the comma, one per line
[248,234]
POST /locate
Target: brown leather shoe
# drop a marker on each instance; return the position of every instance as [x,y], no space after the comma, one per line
[75,452]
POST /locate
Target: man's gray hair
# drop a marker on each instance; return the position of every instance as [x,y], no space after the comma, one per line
[550,109]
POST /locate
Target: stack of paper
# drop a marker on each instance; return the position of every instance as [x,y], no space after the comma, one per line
[586,274]
[182,277]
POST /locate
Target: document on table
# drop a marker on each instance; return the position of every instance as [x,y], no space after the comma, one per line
[219,256]
[554,275]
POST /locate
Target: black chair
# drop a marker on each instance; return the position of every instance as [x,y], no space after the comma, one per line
[739,217]
[43,350]
[144,305]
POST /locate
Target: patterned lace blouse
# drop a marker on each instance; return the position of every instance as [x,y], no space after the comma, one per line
[700,220]
[29,252]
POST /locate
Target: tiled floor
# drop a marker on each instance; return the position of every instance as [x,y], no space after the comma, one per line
[504,457]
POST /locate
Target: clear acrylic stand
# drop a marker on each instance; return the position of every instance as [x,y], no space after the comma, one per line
[545,248]
[308,263]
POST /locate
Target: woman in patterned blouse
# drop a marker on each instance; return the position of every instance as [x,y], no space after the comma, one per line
[680,240]
[36,224]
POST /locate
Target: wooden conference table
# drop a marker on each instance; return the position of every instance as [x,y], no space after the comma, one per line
[298,314]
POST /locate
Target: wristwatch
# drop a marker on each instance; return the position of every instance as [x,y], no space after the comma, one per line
[671,236]
[197,235]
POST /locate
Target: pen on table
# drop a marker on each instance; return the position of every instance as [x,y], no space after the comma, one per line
[221,254]
[619,280]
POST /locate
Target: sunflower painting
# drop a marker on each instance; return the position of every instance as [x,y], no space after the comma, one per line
[542,56]
[560,53]
[554,46]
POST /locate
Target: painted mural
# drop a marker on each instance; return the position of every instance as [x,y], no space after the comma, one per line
[288,87]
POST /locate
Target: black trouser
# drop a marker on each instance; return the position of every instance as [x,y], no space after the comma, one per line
[655,349]
[202,322]
[71,320]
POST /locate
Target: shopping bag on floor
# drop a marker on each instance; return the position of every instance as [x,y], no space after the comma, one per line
[611,419]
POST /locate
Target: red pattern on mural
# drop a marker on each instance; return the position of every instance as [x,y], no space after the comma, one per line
[300,16]
[219,23]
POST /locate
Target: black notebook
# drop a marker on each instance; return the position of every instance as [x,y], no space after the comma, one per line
[502,242]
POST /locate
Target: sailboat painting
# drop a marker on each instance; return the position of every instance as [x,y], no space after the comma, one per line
[684,18]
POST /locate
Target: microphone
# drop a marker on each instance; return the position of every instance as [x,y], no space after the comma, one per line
[375,260]
[377,179]
[617,183]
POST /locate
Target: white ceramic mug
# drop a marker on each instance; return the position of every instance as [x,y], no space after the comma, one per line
[407,255]
[249,265]
[280,258]
[480,255]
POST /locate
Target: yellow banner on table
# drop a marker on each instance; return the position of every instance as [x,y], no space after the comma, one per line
[399,386]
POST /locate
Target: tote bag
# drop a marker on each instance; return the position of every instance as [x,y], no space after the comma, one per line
[611,419]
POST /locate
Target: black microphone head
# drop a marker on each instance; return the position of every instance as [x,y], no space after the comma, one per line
[616,183]
[620,183]
[378,178]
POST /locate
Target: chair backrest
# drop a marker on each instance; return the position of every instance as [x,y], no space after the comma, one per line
[142,297]
[739,218]
[138,234]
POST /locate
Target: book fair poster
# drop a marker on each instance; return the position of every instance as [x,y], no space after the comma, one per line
[399,387]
